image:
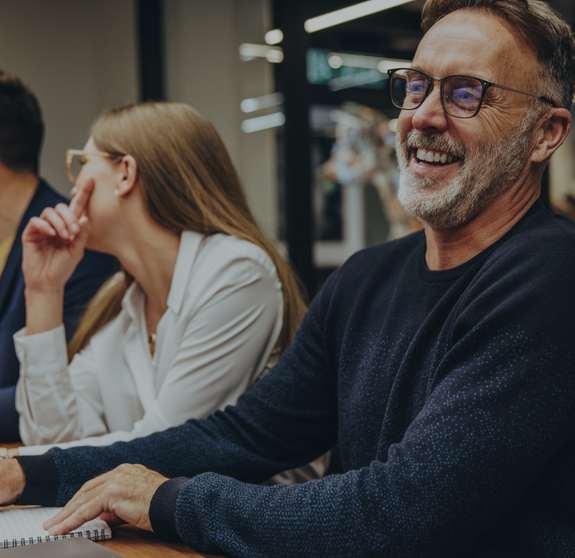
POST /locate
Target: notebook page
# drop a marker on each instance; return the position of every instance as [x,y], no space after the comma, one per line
[23,526]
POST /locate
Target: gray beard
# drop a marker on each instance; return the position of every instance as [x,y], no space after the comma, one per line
[487,170]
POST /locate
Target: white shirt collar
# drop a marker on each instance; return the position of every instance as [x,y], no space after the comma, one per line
[187,252]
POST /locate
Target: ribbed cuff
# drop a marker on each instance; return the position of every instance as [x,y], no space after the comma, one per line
[42,480]
[163,508]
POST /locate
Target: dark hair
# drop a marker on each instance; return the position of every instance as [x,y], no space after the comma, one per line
[21,125]
[540,26]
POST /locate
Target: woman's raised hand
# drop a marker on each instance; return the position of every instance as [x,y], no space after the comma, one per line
[53,244]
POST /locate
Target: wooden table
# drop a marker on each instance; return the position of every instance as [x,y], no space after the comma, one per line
[132,542]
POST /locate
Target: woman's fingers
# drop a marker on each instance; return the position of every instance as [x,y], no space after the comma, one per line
[55,220]
[81,197]
[62,221]
[37,226]
[70,220]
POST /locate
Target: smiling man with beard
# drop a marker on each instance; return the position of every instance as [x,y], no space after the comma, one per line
[443,363]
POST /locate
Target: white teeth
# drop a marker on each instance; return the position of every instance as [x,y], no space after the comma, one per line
[423,154]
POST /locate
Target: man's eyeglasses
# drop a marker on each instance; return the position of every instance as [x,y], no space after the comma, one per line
[75,161]
[461,95]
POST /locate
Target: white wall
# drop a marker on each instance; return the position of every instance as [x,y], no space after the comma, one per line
[204,70]
[79,58]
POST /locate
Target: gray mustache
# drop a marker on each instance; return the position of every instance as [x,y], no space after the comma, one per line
[416,139]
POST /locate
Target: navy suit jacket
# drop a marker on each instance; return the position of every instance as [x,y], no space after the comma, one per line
[92,271]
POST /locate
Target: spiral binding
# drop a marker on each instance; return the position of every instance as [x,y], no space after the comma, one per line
[95,535]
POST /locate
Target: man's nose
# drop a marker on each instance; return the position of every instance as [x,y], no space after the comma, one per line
[430,115]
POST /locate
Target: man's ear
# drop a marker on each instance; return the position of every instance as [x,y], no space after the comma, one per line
[551,134]
[129,175]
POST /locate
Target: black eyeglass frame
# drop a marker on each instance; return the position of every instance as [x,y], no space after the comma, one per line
[485,85]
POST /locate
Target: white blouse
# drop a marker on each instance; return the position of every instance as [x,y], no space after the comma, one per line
[223,320]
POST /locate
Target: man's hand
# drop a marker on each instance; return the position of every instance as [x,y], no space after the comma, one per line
[12,481]
[121,496]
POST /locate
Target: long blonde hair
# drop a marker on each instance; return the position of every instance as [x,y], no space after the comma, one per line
[188,183]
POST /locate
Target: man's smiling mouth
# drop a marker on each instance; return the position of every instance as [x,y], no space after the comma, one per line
[433,157]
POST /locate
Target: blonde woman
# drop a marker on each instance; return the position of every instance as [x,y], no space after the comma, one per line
[203,303]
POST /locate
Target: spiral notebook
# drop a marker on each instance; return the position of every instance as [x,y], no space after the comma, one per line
[23,526]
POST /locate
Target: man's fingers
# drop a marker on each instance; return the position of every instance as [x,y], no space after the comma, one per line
[123,494]
[82,504]
[86,512]
[82,197]
[86,493]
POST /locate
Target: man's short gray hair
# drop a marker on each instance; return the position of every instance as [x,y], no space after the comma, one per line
[540,26]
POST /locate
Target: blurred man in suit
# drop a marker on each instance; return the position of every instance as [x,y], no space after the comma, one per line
[24,195]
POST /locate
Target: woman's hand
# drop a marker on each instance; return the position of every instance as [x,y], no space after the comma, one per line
[121,496]
[53,244]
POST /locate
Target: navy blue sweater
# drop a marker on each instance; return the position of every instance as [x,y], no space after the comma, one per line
[451,395]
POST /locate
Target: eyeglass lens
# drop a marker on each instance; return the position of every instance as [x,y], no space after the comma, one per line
[76,165]
[461,95]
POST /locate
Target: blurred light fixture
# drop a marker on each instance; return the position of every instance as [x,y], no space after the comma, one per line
[351,12]
[392,125]
[263,102]
[389,63]
[358,79]
[263,122]
[249,51]
[335,61]
[338,59]
[274,37]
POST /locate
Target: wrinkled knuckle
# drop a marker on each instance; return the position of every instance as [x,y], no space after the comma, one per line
[81,511]
[111,489]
